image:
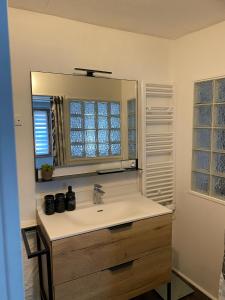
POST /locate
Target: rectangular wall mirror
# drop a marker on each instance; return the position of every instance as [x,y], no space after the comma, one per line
[80,120]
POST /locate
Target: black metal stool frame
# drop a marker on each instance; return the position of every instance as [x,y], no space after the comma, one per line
[39,253]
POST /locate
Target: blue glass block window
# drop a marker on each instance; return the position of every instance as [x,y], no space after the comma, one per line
[132,150]
[131,106]
[95,129]
[103,122]
[219,115]
[90,136]
[77,136]
[204,92]
[115,149]
[219,163]
[89,108]
[76,122]
[201,160]
[102,108]
[132,134]
[75,108]
[115,136]
[219,140]
[220,90]
[104,150]
[208,158]
[103,136]
[200,182]
[115,122]
[202,139]
[131,121]
[89,122]
[77,150]
[90,150]
[218,185]
[203,115]
[115,108]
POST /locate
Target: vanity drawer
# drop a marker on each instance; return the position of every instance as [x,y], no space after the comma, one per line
[98,250]
[123,282]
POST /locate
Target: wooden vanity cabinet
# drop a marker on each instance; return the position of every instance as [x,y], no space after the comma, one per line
[119,262]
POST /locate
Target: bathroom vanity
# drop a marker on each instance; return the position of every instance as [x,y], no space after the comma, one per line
[117,250]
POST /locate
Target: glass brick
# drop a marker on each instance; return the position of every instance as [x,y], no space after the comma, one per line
[204,92]
[89,108]
[90,150]
[201,160]
[202,138]
[115,149]
[219,163]
[89,122]
[132,151]
[220,90]
[131,106]
[200,182]
[76,122]
[90,136]
[203,115]
[132,135]
[115,122]
[219,139]
[219,115]
[114,108]
[103,108]
[103,149]
[77,150]
[103,136]
[75,107]
[102,122]
[115,135]
[131,121]
[218,187]
[77,136]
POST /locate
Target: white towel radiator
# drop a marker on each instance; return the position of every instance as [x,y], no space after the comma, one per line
[158,155]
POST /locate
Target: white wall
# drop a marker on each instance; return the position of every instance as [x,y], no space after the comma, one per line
[200,223]
[47,43]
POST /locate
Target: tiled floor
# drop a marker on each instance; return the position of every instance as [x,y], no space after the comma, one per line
[154,296]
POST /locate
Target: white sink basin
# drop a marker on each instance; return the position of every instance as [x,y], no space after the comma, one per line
[114,212]
[104,213]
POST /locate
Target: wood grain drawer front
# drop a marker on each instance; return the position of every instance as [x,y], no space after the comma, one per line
[126,282]
[88,253]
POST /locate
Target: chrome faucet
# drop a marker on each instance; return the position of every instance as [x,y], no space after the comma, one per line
[98,194]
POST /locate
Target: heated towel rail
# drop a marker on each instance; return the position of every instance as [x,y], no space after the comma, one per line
[159,143]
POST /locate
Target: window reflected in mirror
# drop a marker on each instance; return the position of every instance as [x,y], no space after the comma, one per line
[95,129]
[79,120]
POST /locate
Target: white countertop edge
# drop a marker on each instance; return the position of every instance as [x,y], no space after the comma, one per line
[28,223]
[105,226]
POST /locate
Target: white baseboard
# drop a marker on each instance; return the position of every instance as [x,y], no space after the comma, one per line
[201,289]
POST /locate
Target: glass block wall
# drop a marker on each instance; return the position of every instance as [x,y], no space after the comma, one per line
[95,129]
[132,134]
[208,158]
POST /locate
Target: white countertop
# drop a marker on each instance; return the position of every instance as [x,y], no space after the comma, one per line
[118,211]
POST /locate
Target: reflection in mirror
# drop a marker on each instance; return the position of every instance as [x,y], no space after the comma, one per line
[79,120]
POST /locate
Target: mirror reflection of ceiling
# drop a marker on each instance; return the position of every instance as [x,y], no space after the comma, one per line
[163,18]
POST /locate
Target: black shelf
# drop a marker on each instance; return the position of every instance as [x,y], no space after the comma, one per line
[96,173]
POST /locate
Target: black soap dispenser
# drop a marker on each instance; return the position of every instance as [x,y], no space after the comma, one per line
[70,199]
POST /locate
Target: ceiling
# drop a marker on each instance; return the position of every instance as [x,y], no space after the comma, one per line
[163,18]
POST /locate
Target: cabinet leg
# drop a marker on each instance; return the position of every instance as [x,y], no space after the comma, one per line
[169,291]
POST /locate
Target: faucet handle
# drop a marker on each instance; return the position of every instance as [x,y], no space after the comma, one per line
[97,186]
